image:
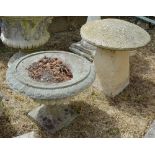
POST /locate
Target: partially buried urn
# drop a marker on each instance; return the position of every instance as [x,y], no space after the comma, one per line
[24,33]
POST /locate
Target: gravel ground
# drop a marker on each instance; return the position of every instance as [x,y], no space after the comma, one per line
[127,115]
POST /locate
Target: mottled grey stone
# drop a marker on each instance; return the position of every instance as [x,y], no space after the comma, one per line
[84,48]
[114,40]
[83,76]
[151,132]
[29,135]
[114,34]
[24,32]
[77,48]
[53,118]
[92,18]
[15,57]
[97,84]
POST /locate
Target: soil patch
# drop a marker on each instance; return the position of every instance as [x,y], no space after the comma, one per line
[50,70]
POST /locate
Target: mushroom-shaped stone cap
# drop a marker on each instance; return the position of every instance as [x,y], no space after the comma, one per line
[114,34]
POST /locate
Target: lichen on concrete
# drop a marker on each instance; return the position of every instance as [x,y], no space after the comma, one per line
[83,76]
[114,34]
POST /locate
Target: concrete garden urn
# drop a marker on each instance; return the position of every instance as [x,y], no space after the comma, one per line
[114,40]
[54,113]
[24,32]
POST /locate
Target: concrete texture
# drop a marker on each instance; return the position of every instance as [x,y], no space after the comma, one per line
[87,52]
[15,57]
[82,47]
[25,32]
[99,116]
[115,39]
[114,34]
[112,69]
[52,118]
[83,76]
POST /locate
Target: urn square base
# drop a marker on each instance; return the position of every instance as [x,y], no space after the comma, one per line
[112,71]
[53,118]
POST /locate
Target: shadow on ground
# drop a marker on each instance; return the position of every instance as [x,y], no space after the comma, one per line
[5,126]
[139,96]
[136,98]
[91,123]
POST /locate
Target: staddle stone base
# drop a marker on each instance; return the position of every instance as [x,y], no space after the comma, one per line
[15,57]
[52,118]
[112,69]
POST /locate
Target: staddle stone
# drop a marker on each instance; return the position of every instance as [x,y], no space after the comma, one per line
[114,34]
[114,40]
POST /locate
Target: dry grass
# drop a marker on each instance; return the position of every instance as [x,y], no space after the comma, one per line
[127,115]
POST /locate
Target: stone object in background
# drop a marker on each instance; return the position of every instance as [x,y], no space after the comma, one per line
[24,33]
[82,47]
[114,40]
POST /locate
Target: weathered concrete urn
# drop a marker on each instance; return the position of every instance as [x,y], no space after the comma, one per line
[114,40]
[24,32]
[54,113]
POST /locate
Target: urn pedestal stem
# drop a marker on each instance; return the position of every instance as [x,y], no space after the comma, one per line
[53,115]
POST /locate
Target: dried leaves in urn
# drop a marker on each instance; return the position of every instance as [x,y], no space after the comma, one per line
[49,70]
